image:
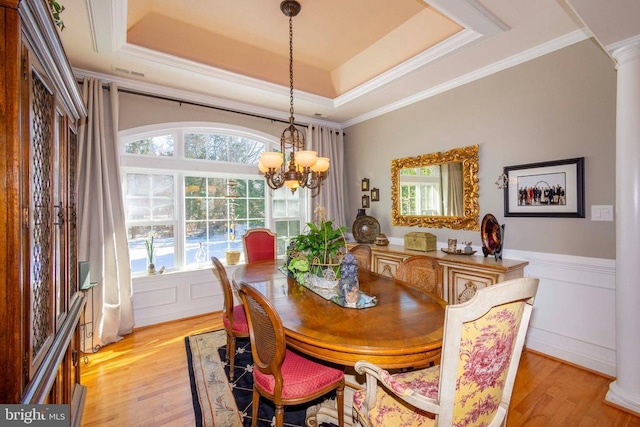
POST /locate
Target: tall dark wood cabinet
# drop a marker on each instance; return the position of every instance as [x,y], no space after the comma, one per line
[40,300]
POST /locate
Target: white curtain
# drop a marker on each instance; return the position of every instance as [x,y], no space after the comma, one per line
[330,143]
[102,235]
[455,190]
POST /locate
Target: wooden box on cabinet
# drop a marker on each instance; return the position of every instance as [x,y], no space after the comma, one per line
[420,241]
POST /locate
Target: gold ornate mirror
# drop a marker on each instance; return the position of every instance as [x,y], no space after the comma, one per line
[436,190]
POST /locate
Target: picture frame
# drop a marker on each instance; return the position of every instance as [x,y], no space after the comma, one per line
[365,184]
[545,189]
[375,195]
[365,201]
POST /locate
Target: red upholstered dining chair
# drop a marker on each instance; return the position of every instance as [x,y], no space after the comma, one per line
[259,244]
[279,374]
[363,255]
[481,349]
[421,272]
[233,316]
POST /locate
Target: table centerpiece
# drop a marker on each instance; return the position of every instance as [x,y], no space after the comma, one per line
[314,257]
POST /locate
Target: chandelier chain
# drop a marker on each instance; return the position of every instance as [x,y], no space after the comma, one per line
[291,120]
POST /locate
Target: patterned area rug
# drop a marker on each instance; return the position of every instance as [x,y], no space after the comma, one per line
[219,403]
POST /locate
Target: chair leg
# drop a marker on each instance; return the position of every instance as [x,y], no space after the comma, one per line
[254,409]
[279,415]
[231,355]
[340,404]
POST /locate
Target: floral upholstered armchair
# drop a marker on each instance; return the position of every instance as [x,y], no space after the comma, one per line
[482,343]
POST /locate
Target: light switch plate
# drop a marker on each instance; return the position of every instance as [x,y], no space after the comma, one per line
[601,212]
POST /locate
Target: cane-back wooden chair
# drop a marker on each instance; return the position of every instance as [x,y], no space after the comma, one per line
[279,374]
[423,273]
[233,316]
[363,255]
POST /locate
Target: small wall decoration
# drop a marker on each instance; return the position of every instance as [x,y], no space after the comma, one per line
[365,201]
[546,189]
[365,184]
[375,195]
[492,235]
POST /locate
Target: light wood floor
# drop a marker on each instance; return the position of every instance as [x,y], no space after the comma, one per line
[142,380]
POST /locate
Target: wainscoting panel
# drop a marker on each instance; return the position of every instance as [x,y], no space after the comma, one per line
[573,317]
[574,312]
[195,292]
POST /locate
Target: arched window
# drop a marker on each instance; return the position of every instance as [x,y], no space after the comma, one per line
[197,185]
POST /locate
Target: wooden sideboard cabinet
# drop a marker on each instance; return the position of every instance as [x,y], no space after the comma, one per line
[462,275]
[40,105]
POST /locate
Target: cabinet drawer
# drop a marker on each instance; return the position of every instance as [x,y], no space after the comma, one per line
[463,284]
[386,264]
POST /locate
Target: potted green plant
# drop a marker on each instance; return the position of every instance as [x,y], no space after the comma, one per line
[318,251]
[148,243]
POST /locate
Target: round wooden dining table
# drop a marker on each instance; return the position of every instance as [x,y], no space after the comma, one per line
[403,330]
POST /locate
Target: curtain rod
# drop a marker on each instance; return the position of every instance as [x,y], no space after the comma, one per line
[197,104]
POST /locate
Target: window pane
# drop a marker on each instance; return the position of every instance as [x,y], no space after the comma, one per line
[286,230]
[194,208]
[256,209]
[138,209]
[163,242]
[162,186]
[219,209]
[194,186]
[195,146]
[257,188]
[155,146]
[217,187]
[162,208]
[138,184]
[294,208]
[149,197]
[279,208]
[223,148]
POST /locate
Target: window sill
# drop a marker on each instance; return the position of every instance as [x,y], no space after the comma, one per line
[175,274]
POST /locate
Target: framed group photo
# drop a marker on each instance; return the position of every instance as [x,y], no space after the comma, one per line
[546,189]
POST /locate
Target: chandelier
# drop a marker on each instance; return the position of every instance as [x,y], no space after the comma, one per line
[304,168]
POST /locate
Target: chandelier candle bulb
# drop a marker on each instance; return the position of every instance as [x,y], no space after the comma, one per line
[271,159]
[321,165]
[306,158]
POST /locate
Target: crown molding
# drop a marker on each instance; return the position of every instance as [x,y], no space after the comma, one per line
[196,97]
[439,51]
[528,55]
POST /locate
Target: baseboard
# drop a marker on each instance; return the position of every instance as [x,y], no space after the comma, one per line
[621,400]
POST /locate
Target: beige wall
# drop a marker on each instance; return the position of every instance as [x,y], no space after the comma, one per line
[137,110]
[559,106]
